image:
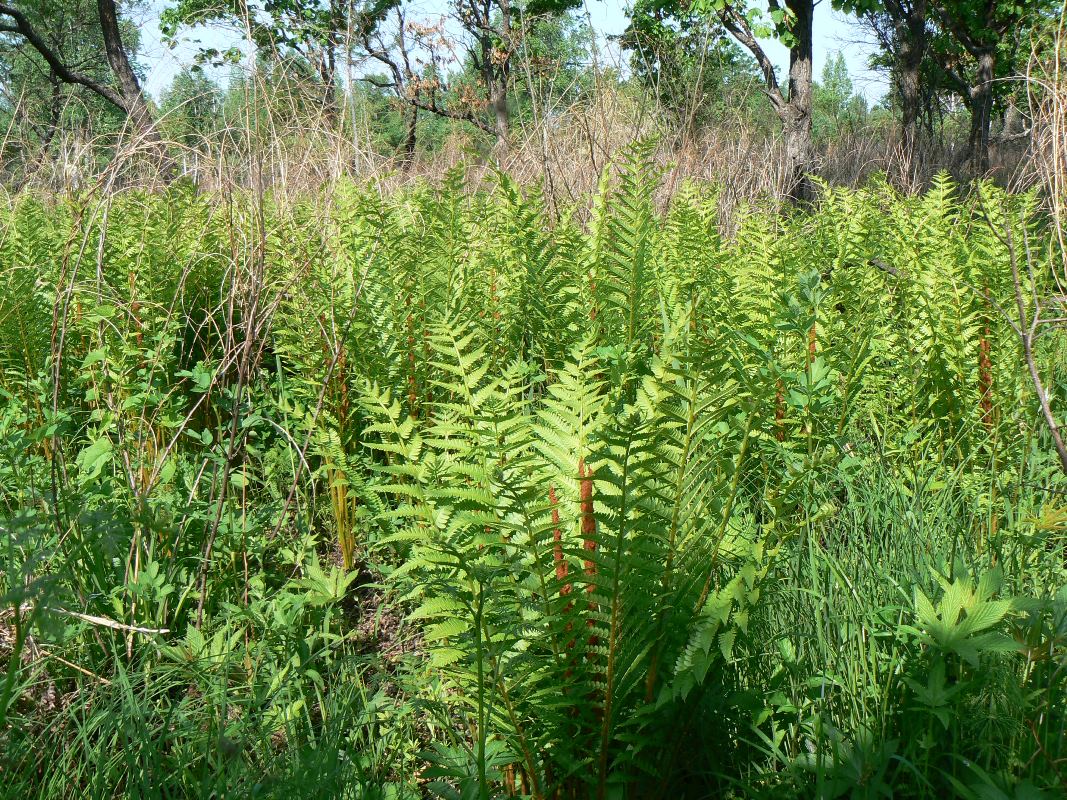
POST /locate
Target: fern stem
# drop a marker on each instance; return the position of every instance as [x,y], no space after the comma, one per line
[672,538]
[513,716]
[557,539]
[613,627]
[727,512]
[585,495]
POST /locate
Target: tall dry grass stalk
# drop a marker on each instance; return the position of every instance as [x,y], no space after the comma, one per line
[280,141]
[1047,91]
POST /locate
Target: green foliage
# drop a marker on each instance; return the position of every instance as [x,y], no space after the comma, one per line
[698,74]
[35,106]
[190,108]
[295,24]
[837,109]
[376,496]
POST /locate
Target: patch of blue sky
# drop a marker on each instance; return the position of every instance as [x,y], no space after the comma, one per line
[834,32]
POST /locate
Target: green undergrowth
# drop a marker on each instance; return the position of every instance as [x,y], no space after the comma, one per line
[434,494]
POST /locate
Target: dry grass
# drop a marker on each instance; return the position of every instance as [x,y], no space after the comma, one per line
[1047,83]
[273,145]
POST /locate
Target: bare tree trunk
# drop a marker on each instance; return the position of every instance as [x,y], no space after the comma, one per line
[912,53]
[133,98]
[982,110]
[796,130]
[330,111]
[793,110]
[326,61]
[796,115]
[495,76]
[909,111]
[499,101]
[496,68]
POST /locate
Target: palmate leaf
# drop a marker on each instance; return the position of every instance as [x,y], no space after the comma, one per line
[965,618]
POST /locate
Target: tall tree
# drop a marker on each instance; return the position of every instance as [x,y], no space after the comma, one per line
[33,98]
[316,31]
[791,22]
[190,108]
[421,69]
[902,30]
[414,85]
[971,47]
[320,31]
[133,98]
[989,32]
[490,24]
[836,106]
[33,23]
[697,74]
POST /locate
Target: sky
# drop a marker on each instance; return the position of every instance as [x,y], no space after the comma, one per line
[834,32]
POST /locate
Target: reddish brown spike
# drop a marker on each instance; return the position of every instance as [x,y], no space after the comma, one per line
[494,299]
[585,495]
[561,568]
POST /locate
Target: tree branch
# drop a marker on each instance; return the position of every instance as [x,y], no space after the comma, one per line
[953,23]
[1026,336]
[738,28]
[63,72]
[462,116]
[888,269]
[377,84]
